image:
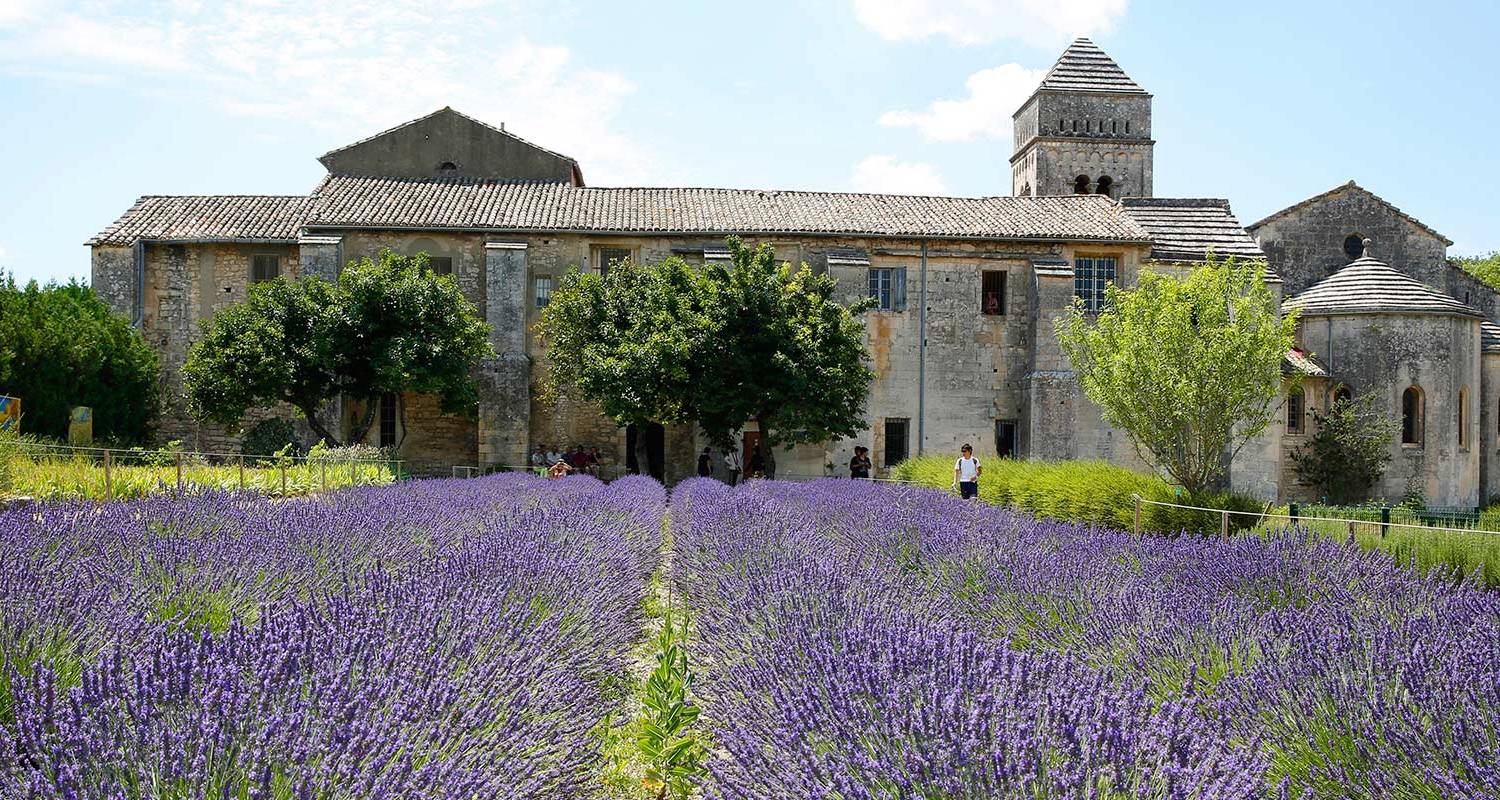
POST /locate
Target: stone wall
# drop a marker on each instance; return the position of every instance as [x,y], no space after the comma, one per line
[1306,245]
[112,276]
[1489,430]
[1383,354]
[1060,135]
[1316,397]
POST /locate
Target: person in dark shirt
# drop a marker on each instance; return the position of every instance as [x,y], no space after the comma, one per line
[859,466]
[705,466]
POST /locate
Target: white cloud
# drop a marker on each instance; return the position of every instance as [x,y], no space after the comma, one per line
[1040,22]
[348,67]
[994,95]
[884,174]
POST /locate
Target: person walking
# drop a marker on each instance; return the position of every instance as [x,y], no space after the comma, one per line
[705,464]
[859,466]
[733,463]
[966,472]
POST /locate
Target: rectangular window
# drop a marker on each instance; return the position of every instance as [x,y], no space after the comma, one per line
[388,420]
[895,441]
[992,293]
[610,256]
[1294,412]
[440,265]
[543,290]
[1090,275]
[888,288]
[264,267]
[1005,438]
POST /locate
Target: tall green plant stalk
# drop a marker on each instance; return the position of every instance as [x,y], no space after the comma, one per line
[672,751]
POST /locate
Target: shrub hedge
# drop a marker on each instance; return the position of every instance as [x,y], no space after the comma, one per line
[1093,492]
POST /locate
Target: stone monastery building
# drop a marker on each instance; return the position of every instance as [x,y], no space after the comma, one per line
[962,342]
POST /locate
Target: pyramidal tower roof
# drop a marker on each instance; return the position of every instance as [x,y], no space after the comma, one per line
[1368,286]
[1083,67]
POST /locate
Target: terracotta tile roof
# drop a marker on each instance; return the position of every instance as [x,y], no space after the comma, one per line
[208,218]
[1185,229]
[1368,286]
[349,201]
[1083,67]
[1351,185]
[1303,362]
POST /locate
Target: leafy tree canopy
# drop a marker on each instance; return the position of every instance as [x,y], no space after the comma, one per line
[387,325]
[1189,367]
[61,346]
[1485,268]
[1348,451]
[750,341]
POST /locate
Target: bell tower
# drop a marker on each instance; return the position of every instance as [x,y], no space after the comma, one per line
[1085,130]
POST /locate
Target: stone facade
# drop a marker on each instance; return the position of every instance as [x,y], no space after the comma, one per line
[963,349]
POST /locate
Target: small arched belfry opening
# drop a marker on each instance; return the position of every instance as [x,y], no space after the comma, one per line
[447,169]
[1342,393]
[1411,415]
[1354,246]
[1081,184]
[1105,186]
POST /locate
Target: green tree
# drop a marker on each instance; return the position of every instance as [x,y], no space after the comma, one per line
[631,341]
[1348,451]
[387,325]
[781,352]
[61,346]
[1189,367]
[1485,268]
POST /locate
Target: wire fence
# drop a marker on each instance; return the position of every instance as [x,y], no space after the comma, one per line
[1384,523]
[112,459]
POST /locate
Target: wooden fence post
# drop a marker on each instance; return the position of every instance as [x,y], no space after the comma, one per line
[109,483]
[353,472]
[1137,515]
[179,471]
[241,461]
[1351,531]
[283,478]
[323,475]
[1224,525]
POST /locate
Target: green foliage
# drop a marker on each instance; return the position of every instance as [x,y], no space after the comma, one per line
[672,752]
[1189,367]
[750,341]
[60,347]
[1348,451]
[1473,556]
[270,437]
[1485,268]
[385,326]
[783,353]
[1091,492]
[628,340]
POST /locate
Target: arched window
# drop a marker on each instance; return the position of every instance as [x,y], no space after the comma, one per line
[447,169]
[1354,246]
[1411,416]
[1104,186]
[1025,190]
[1295,411]
[1081,184]
[1463,417]
[1342,394]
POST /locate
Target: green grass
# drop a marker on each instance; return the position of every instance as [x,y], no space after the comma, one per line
[1463,554]
[48,476]
[1093,492]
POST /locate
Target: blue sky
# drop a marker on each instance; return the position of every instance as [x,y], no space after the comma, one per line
[1264,103]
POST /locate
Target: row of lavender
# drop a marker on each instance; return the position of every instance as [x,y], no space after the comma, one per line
[857,641]
[440,639]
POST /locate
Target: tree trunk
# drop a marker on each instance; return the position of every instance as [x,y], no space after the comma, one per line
[363,429]
[764,449]
[317,425]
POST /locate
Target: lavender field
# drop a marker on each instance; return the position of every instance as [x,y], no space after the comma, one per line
[492,637]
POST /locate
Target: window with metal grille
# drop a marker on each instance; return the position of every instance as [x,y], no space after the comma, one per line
[888,288]
[543,290]
[388,420]
[264,267]
[895,441]
[1295,410]
[992,292]
[1090,275]
[610,256]
[440,265]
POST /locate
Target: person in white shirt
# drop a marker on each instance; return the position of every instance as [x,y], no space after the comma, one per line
[966,472]
[732,461]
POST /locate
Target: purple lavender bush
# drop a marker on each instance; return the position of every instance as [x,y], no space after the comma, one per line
[440,639]
[867,641]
